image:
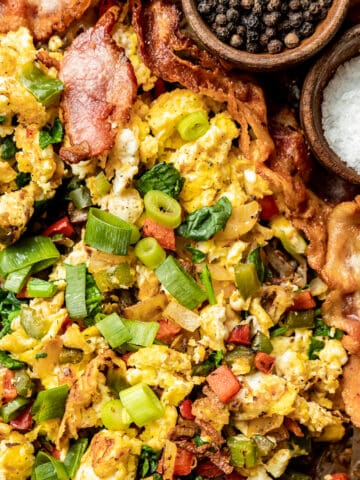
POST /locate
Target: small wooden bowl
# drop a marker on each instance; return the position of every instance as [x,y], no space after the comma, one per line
[344,49]
[266,62]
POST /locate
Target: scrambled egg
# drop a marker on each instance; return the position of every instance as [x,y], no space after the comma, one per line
[16,454]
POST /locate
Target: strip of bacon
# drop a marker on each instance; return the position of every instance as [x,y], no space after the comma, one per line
[163,48]
[41,17]
[100,88]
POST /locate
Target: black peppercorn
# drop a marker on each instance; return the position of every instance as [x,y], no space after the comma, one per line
[306,29]
[268,35]
[220,19]
[252,36]
[252,21]
[234,3]
[236,41]
[275,46]
[241,30]
[314,8]
[232,15]
[305,4]
[271,19]
[326,3]
[307,17]
[204,8]
[284,8]
[291,40]
[273,5]
[223,33]
[252,47]
[284,26]
[322,13]
[295,19]
[221,9]
[257,8]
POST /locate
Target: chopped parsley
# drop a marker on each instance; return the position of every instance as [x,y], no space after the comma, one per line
[51,136]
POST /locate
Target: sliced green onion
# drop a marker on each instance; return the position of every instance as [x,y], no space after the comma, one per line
[50,403]
[47,467]
[135,234]
[74,455]
[263,444]
[246,279]
[45,89]
[150,252]
[207,282]
[33,322]
[300,319]
[114,416]
[142,333]
[162,208]
[102,184]
[75,292]
[180,284]
[15,281]
[261,343]
[23,383]
[193,126]
[290,237]
[38,288]
[70,355]
[142,404]
[11,410]
[81,197]
[107,233]
[242,451]
[37,252]
[114,330]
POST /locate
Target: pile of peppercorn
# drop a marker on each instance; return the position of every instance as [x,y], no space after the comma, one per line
[263,25]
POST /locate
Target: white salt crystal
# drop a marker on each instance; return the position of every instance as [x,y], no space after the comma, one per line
[341,112]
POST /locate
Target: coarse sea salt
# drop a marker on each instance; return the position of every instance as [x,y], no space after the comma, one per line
[341,112]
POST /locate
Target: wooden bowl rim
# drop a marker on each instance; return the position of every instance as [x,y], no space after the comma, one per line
[265,62]
[312,97]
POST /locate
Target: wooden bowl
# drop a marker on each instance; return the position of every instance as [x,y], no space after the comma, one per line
[265,62]
[344,49]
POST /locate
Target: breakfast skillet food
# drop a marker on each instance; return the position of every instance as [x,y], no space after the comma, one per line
[175,303]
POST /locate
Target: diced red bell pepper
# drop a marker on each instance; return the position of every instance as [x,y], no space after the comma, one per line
[62,226]
[223,383]
[8,387]
[65,325]
[268,207]
[303,301]
[104,5]
[339,476]
[126,356]
[160,87]
[184,462]
[240,335]
[54,452]
[24,420]
[208,469]
[264,362]
[164,235]
[185,409]
[167,331]
[293,427]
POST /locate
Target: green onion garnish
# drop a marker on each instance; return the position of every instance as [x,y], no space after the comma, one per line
[38,288]
[180,284]
[107,233]
[74,455]
[11,410]
[142,404]
[142,333]
[193,126]
[150,252]
[114,330]
[114,416]
[15,281]
[81,197]
[45,89]
[75,292]
[50,403]
[207,282]
[33,322]
[162,208]
[37,252]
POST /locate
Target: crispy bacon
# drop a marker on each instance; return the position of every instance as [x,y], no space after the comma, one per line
[100,88]
[351,389]
[42,17]
[163,48]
